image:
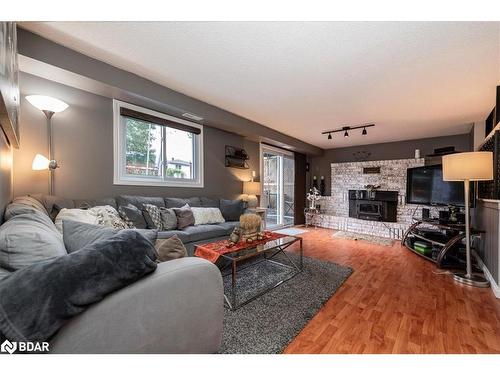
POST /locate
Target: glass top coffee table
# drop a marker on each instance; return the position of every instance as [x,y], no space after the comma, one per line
[267,250]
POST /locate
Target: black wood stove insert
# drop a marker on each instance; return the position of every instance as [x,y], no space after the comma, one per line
[375,205]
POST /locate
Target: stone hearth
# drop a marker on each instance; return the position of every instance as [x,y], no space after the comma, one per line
[350,176]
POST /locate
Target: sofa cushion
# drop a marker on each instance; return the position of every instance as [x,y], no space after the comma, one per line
[53,203]
[203,232]
[229,226]
[15,208]
[209,202]
[232,209]
[132,216]
[185,217]
[139,201]
[180,202]
[77,235]
[27,239]
[89,203]
[22,205]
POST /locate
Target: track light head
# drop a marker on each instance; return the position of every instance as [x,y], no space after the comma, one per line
[329,135]
[346,134]
[364,132]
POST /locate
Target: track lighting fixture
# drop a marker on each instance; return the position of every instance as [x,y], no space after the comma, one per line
[346,129]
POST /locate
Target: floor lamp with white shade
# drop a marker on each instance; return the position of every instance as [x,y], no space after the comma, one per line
[49,106]
[466,167]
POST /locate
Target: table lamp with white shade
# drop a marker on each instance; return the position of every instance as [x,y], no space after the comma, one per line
[251,189]
[466,167]
[49,106]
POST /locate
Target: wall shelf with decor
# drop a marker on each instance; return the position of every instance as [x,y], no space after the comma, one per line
[236,158]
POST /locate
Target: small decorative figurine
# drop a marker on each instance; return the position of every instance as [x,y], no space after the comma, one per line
[234,237]
[313,196]
[250,227]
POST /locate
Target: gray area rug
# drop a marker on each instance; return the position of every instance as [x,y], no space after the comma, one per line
[267,324]
[365,237]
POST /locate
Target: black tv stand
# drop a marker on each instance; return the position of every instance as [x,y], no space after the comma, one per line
[445,238]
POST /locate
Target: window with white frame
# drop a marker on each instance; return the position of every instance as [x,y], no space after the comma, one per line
[152,148]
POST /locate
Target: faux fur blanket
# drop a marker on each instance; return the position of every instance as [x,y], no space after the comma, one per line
[36,301]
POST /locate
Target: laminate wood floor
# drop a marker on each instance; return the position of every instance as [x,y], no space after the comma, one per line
[395,302]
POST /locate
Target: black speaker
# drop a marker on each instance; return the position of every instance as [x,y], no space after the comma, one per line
[426,213]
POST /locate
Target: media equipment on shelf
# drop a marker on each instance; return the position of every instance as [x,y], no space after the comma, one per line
[425,213]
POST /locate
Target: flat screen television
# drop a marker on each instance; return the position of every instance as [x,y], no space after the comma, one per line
[425,185]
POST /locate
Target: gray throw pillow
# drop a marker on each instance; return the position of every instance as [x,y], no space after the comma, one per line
[185,217]
[170,248]
[132,216]
[27,239]
[168,219]
[232,209]
[152,215]
[77,235]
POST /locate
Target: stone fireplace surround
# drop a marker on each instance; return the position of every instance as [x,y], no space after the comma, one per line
[350,176]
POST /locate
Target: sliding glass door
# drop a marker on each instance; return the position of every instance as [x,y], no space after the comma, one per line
[278,171]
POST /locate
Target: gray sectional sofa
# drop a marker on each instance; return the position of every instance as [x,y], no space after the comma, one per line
[176,309]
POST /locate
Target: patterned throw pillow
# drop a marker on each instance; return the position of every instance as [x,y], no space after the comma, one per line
[207,215]
[168,219]
[152,216]
[108,216]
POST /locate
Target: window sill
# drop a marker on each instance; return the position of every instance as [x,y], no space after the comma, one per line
[139,182]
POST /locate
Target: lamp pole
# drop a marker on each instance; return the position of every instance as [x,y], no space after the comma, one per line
[467,229]
[468,277]
[48,114]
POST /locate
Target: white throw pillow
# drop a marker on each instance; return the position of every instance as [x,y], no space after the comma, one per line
[75,214]
[207,215]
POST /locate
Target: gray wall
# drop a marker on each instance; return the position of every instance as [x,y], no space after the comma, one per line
[320,166]
[83,146]
[5,173]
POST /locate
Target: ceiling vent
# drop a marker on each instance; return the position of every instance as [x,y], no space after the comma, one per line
[192,116]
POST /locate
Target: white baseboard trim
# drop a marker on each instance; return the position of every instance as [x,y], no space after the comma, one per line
[494,286]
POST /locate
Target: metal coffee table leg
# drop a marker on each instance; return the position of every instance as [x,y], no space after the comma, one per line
[233,286]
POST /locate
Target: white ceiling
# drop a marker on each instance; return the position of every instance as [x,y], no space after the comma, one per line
[414,80]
